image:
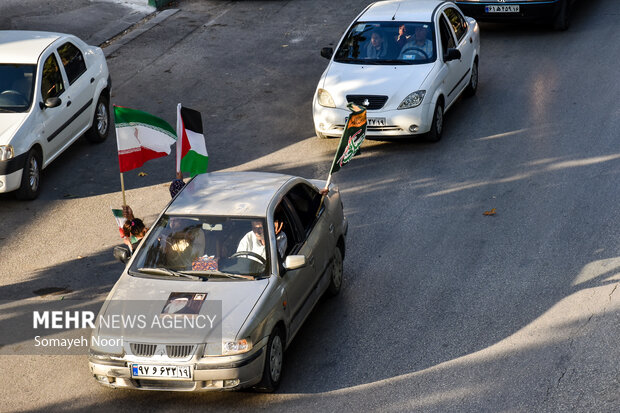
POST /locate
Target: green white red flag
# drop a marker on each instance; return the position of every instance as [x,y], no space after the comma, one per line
[140,137]
[192,156]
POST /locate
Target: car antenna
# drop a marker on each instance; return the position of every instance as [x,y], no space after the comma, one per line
[397,7]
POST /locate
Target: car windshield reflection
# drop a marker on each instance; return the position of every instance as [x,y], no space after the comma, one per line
[16,87]
[205,247]
[388,43]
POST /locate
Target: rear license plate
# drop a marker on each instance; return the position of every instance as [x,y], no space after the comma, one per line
[376,121]
[161,372]
[502,9]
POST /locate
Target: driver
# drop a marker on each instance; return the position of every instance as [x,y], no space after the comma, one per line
[420,42]
[254,241]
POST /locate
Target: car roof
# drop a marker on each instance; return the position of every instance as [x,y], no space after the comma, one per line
[22,46]
[228,194]
[401,10]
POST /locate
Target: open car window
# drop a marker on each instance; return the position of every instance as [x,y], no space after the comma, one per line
[388,43]
[211,246]
[72,60]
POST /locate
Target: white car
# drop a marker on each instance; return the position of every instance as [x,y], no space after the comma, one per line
[407,62]
[53,88]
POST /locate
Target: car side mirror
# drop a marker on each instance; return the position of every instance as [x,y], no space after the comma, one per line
[50,103]
[327,52]
[122,253]
[293,262]
[451,54]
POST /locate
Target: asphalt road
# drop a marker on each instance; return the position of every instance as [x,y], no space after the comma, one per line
[443,308]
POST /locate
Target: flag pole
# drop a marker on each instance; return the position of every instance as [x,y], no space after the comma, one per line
[123,189]
[329,179]
[179,139]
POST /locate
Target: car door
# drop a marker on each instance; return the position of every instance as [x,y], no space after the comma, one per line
[54,133]
[80,88]
[464,44]
[311,235]
[454,68]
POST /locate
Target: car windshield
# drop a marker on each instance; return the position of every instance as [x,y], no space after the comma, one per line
[204,248]
[388,43]
[16,87]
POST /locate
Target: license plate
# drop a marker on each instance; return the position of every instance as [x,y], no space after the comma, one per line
[161,372]
[502,9]
[376,121]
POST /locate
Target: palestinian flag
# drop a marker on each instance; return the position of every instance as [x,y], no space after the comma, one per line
[140,137]
[352,137]
[192,156]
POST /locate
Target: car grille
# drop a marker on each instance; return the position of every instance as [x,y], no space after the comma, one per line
[165,384]
[374,128]
[374,101]
[179,351]
[143,350]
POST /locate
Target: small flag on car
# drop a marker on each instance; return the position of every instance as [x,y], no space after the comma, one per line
[192,156]
[352,137]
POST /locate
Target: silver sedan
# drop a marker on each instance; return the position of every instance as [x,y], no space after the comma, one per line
[221,284]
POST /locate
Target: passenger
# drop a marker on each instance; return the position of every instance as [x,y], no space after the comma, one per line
[402,36]
[134,231]
[254,241]
[419,42]
[281,238]
[377,48]
[176,185]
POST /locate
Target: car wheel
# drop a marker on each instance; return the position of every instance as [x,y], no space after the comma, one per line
[98,132]
[321,135]
[31,177]
[274,361]
[434,135]
[335,283]
[561,21]
[472,87]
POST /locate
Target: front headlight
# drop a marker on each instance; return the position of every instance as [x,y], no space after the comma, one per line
[325,99]
[236,347]
[6,152]
[412,100]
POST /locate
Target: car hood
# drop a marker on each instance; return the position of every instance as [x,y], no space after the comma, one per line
[147,297]
[9,124]
[396,81]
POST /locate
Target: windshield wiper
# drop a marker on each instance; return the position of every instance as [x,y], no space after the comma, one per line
[226,275]
[8,110]
[166,271]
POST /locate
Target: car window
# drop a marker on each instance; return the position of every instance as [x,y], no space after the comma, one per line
[72,60]
[389,43]
[16,87]
[445,32]
[305,201]
[52,84]
[457,21]
[227,245]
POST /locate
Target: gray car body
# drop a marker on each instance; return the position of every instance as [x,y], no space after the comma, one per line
[250,308]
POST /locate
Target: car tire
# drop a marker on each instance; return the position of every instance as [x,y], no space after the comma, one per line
[321,135]
[100,128]
[472,87]
[562,20]
[274,361]
[434,135]
[335,282]
[31,176]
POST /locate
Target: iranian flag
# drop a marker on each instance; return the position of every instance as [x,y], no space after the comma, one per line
[192,156]
[140,137]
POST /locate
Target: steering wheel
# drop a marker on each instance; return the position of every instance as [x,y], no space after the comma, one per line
[16,94]
[250,254]
[416,50]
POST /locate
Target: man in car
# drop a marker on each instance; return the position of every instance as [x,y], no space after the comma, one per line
[411,49]
[254,241]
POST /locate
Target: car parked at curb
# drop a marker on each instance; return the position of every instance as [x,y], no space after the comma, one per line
[263,247]
[407,62]
[556,12]
[53,89]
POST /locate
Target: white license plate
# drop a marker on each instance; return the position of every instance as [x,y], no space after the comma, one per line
[376,122]
[502,9]
[161,372]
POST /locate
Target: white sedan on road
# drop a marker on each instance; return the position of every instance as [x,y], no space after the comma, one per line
[407,62]
[53,88]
